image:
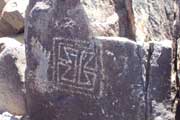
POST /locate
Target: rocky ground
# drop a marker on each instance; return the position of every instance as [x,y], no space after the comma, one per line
[137,42]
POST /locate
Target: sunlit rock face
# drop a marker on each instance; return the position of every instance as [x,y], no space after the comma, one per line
[153,19]
[85,18]
[9,116]
[12,68]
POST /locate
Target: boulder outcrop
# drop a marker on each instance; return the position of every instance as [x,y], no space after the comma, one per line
[76,70]
[12,68]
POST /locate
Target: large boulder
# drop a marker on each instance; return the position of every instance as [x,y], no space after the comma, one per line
[12,17]
[73,74]
[12,68]
[80,80]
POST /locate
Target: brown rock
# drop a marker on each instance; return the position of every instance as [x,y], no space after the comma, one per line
[12,17]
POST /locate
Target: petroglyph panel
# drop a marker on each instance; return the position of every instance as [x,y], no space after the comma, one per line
[75,65]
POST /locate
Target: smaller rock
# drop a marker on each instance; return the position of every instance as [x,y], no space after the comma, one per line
[9,116]
[12,17]
[12,68]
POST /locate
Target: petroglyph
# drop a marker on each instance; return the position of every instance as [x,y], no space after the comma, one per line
[75,65]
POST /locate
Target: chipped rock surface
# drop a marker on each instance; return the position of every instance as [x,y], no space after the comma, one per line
[12,64]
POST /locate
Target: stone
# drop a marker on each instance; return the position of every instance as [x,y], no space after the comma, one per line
[12,68]
[159,84]
[75,18]
[177,20]
[153,19]
[2,4]
[70,73]
[9,116]
[75,71]
[80,80]
[12,17]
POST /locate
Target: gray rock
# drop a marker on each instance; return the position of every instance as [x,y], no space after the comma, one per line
[76,18]
[158,81]
[12,68]
[153,19]
[177,19]
[74,75]
[80,80]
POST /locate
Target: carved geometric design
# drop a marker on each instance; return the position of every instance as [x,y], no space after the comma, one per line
[75,65]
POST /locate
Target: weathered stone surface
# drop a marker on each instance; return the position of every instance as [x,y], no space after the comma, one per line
[18,37]
[74,75]
[153,19]
[80,80]
[12,17]
[177,20]
[159,81]
[12,68]
[75,18]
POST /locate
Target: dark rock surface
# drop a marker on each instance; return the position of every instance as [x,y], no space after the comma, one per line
[74,75]
[153,19]
[86,80]
[159,81]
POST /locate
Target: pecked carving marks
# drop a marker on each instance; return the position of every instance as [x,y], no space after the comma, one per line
[75,66]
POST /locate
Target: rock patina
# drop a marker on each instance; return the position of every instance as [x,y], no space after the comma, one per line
[74,75]
[86,80]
